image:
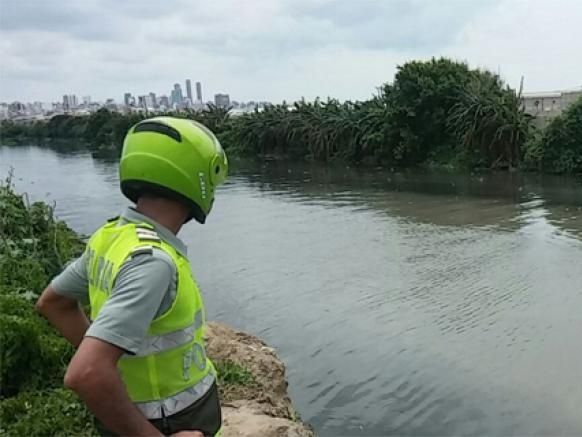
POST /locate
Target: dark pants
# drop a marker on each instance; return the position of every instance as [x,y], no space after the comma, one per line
[203,415]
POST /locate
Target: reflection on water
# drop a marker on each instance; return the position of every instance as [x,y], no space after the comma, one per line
[404,304]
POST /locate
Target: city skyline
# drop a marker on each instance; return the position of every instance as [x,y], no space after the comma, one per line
[150,101]
[277,50]
[72,99]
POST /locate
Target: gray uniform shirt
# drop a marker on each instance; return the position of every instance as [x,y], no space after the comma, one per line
[144,288]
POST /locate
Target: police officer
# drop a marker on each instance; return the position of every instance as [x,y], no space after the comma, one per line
[140,364]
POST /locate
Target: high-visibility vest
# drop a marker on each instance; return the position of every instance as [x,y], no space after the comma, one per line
[170,371]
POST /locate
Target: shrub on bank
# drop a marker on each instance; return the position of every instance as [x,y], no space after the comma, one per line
[560,145]
[33,357]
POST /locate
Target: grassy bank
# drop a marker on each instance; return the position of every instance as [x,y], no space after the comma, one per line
[438,113]
[33,248]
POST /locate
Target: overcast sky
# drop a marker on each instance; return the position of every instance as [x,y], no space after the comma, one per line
[275,49]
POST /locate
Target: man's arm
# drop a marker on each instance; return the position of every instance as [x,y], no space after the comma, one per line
[93,375]
[64,313]
[120,327]
[59,302]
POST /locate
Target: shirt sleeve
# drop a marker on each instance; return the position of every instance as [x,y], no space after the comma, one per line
[141,285]
[72,281]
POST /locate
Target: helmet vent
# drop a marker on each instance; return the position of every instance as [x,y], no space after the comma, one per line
[164,129]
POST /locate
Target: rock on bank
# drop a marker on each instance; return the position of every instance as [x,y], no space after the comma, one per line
[262,408]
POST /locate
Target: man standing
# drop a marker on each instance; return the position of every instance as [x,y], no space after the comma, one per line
[140,364]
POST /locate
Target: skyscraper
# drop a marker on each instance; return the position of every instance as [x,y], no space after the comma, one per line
[154,101]
[177,96]
[149,101]
[70,102]
[189,89]
[127,99]
[222,100]
[198,92]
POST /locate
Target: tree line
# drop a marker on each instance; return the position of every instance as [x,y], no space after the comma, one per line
[434,113]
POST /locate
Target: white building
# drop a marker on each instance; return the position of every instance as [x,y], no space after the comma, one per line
[3,111]
[545,105]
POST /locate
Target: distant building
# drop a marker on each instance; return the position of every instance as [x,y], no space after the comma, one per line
[150,101]
[110,104]
[177,96]
[189,90]
[70,102]
[165,102]
[222,100]
[198,92]
[94,107]
[36,108]
[546,105]
[16,108]
[86,100]
[128,99]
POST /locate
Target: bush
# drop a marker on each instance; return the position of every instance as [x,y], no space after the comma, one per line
[55,412]
[230,372]
[20,356]
[33,357]
[560,147]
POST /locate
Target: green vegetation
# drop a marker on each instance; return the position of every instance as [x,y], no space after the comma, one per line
[559,147]
[231,373]
[424,117]
[489,122]
[33,356]
[434,113]
[33,247]
[55,412]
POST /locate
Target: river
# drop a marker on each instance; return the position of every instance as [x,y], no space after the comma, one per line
[402,303]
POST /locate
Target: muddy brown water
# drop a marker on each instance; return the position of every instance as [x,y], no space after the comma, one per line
[402,303]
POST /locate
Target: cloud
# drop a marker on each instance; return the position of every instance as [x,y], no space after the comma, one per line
[266,49]
[85,20]
[397,24]
[536,39]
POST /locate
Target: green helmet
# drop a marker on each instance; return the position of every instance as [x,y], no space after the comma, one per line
[176,158]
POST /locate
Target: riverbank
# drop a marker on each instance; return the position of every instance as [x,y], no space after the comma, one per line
[33,248]
[438,113]
[262,406]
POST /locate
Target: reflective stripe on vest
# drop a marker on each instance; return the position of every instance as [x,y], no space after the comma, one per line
[170,370]
[160,343]
[177,402]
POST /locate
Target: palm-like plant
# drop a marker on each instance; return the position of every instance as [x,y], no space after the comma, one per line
[489,120]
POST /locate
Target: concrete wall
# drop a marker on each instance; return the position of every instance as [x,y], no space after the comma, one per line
[545,106]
